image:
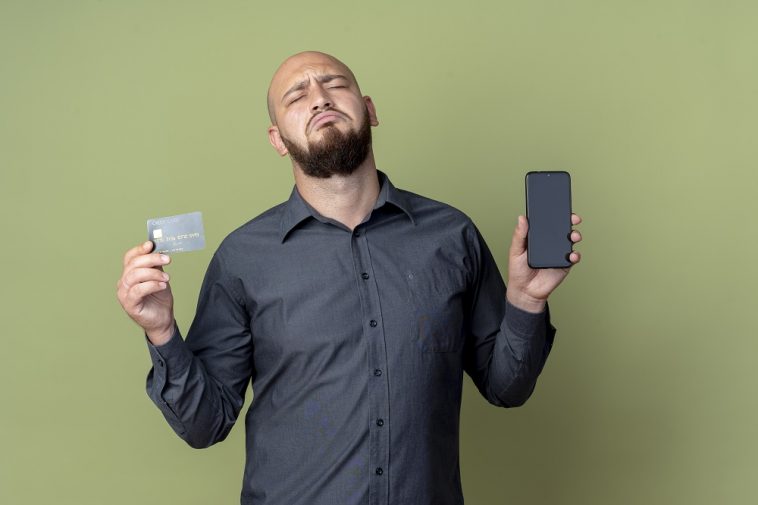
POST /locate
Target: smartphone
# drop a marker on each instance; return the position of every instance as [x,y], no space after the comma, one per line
[548,211]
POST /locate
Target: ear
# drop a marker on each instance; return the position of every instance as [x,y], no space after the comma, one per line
[276,140]
[373,120]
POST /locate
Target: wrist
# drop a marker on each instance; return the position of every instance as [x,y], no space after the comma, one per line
[525,302]
[160,336]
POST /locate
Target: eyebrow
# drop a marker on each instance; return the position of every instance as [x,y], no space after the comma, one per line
[302,84]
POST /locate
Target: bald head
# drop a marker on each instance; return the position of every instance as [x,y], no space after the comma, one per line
[294,65]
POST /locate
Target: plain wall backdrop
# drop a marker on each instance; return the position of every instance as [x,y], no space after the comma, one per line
[113,112]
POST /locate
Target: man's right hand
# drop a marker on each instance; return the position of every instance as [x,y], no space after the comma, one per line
[145,294]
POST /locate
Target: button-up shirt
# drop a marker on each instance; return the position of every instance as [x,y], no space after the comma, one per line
[355,342]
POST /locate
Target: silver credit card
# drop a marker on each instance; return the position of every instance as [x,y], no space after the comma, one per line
[180,233]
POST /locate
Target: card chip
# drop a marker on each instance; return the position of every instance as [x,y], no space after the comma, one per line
[180,233]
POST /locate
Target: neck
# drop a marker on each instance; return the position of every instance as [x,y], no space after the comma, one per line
[347,199]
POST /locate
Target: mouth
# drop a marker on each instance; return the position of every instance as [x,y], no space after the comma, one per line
[322,118]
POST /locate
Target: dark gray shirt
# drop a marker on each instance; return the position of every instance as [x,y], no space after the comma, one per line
[356,343]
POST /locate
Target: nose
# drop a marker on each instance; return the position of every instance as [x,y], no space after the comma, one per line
[321,100]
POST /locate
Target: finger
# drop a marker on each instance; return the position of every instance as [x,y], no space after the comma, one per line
[575,257]
[138,275]
[149,261]
[127,280]
[518,242]
[576,236]
[139,291]
[575,219]
[143,248]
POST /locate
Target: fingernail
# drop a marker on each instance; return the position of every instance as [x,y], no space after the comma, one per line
[165,277]
[164,258]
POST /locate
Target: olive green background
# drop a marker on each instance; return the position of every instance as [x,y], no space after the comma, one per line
[115,112]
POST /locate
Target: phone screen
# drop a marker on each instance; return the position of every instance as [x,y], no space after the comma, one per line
[548,210]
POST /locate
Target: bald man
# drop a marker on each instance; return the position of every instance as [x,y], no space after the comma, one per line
[354,307]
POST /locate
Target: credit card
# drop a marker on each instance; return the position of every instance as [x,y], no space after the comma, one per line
[180,233]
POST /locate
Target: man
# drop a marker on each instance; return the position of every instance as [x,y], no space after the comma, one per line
[354,307]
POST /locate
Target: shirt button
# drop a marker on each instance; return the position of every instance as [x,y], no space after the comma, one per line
[379,471]
[377,372]
[372,323]
[364,275]
[357,233]
[160,362]
[380,422]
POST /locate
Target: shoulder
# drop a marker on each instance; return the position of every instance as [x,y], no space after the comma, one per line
[254,235]
[448,231]
[430,211]
[441,219]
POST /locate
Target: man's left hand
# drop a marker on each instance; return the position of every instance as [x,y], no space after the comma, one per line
[528,288]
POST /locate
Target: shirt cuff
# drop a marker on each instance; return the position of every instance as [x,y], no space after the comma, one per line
[173,357]
[530,335]
[523,323]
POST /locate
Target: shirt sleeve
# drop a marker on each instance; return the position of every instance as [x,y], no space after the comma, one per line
[505,347]
[199,383]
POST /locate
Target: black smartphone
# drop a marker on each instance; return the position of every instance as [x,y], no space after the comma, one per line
[548,210]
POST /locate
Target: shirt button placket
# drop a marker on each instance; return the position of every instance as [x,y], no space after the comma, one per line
[378,388]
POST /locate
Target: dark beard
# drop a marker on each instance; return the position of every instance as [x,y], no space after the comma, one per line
[337,153]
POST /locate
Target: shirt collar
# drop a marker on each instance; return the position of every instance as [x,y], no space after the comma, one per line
[296,209]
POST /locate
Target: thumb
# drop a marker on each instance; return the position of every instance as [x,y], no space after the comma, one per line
[518,243]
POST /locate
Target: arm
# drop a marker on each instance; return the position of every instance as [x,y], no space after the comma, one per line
[199,383]
[505,347]
[509,333]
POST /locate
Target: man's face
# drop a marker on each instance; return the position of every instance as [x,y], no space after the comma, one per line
[335,152]
[320,117]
